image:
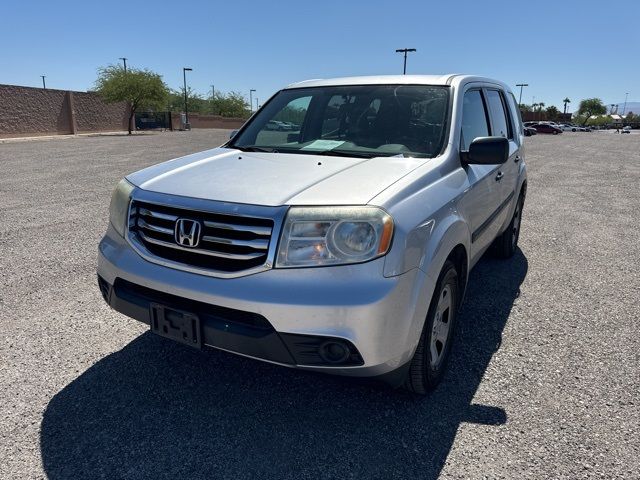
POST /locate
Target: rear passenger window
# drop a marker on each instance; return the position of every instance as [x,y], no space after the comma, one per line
[499,119]
[515,108]
[474,119]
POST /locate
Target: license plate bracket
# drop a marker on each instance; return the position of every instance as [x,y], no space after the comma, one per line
[183,327]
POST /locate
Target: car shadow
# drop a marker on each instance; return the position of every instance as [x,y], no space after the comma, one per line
[157,409]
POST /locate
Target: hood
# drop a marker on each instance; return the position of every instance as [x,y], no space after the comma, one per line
[274,179]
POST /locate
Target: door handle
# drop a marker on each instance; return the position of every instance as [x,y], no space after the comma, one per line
[517,159]
[499,176]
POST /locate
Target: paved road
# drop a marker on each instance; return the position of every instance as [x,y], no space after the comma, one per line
[545,377]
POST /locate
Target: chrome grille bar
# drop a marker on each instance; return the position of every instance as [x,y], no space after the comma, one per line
[154,228]
[257,244]
[230,256]
[162,216]
[239,228]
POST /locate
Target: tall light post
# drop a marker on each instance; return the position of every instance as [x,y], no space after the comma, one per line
[213,98]
[186,106]
[521,85]
[624,109]
[124,61]
[251,99]
[405,51]
[44,85]
[257,104]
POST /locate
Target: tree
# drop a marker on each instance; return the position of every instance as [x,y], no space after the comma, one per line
[552,112]
[589,107]
[525,108]
[140,88]
[565,101]
[195,102]
[232,104]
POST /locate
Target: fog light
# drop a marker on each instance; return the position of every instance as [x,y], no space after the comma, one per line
[334,352]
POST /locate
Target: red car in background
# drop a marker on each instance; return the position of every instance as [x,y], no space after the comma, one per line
[546,128]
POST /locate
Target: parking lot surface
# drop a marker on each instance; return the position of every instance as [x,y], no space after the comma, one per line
[543,383]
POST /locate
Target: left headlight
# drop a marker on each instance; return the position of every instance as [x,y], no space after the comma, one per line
[119,207]
[318,236]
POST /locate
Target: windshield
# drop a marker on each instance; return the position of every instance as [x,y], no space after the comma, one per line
[353,120]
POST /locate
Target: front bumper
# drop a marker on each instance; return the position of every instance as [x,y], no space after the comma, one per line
[380,317]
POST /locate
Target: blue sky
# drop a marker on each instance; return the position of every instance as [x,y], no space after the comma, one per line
[561,48]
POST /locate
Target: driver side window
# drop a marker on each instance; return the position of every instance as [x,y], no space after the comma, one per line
[287,121]
[474,119]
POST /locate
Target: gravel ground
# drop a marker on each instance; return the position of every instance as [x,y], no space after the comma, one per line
[543,384]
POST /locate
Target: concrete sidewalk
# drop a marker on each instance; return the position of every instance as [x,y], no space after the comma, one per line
[77,135]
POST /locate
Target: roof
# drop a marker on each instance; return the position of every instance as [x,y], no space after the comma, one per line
[378,79]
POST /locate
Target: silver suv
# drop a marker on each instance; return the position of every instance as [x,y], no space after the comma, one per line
[341,244]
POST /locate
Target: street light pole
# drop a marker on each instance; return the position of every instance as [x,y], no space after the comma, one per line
[186,106]
[213,99]
[44,85]
[251,99]
[521,85]
[405,51]
[624,109]
[257,104]
[124,60]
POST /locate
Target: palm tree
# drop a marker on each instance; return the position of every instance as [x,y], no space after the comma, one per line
[540,107]
[565,101]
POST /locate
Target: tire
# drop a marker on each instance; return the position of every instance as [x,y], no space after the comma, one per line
[431,357]
[506,244]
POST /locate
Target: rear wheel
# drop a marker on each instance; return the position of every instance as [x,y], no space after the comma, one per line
[432,354]
[506,244]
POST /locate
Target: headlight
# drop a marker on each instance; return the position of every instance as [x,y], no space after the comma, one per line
[316,236]
[119,207]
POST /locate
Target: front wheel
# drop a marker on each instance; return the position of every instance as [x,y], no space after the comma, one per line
[432,354]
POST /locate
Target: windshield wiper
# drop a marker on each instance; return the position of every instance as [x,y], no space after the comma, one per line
[345,153]
[255,148]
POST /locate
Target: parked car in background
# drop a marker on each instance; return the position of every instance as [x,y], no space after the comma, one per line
[529,131]
[546,128]
[569,128]
[344,249]
[626,129]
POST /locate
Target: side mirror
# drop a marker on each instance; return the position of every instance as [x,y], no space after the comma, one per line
[487,151]
[233,134]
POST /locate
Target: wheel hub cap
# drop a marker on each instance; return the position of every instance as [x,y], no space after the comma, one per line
[440,328]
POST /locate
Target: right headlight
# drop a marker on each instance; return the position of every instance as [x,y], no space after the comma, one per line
[119,207]
[318,236]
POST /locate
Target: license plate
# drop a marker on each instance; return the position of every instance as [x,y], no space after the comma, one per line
[178,325]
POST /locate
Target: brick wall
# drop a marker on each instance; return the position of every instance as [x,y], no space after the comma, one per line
[93,115]
[26,111]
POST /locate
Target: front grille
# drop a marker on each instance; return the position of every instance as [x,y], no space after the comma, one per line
[226,243]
